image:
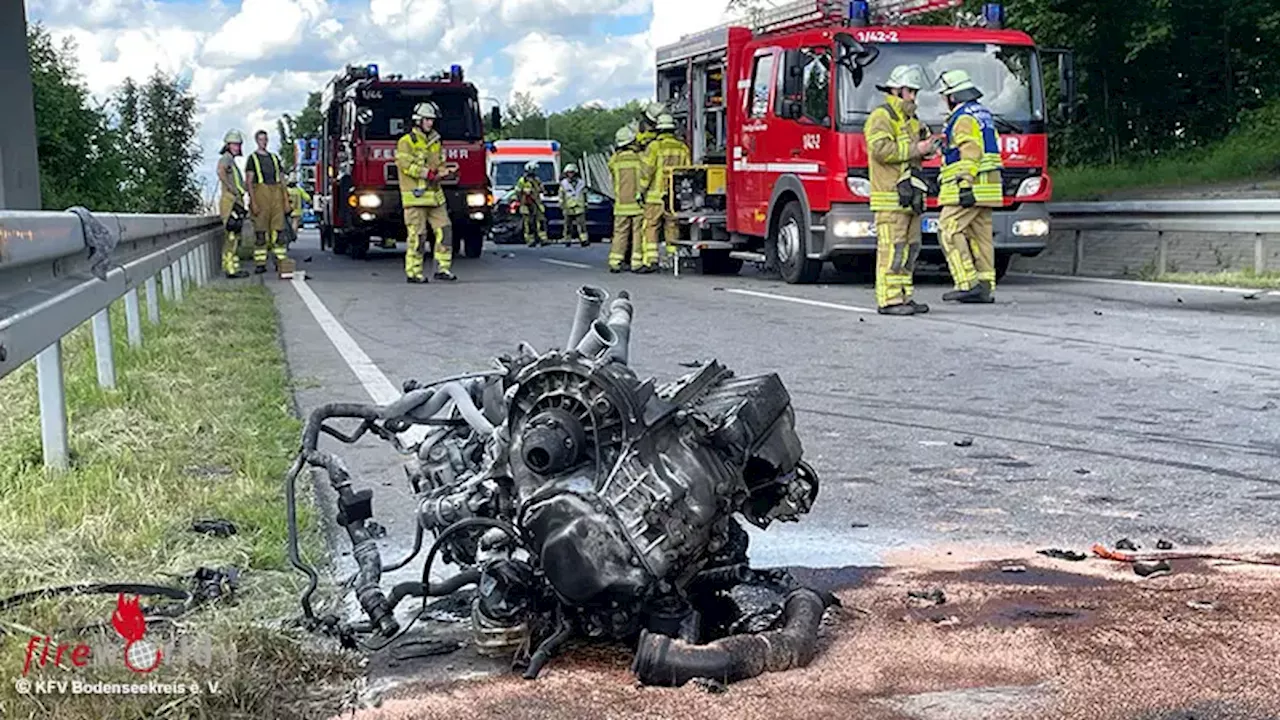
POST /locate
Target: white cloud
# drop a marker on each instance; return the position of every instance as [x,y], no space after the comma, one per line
[261,30]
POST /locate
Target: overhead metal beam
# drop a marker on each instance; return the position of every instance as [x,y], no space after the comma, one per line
[19,164]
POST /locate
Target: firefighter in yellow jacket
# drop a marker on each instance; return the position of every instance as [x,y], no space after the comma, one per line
[665,152]
[293,212]
[897,142]
[626,168]
[533,214]
[265,179]
[231,203]
[420,161]
[971,189]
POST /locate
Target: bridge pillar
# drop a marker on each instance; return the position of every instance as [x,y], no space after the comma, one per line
[19,166]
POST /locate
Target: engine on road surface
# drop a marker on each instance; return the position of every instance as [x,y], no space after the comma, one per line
[582,500]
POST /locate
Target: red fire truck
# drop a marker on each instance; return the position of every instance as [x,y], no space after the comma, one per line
[774,115]
[357,189]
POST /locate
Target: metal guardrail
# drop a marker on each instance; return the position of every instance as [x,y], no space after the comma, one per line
[56,273]
[1261,218]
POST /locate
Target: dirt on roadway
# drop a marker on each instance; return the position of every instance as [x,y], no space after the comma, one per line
[1058,639]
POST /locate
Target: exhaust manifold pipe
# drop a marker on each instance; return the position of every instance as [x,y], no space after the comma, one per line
[590,300]
[620,314]
[599,340]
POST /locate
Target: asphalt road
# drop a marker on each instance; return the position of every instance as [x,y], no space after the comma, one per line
[1067,413]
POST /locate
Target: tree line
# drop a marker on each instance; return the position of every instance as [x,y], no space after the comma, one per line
[135,153]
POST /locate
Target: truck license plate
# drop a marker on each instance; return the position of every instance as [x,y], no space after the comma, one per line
[930,225]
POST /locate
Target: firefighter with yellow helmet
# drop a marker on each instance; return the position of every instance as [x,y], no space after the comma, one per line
[646,126]
[626,168]
[971,189]
[897,143]
[231,202]
[533,213]
[420,161]
[665,152]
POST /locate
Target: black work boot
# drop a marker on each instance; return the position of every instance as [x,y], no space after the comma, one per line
[981,293]
[615,270]
[445,276]
[416,280]
[955,295]
[237,274]
[903,309]
[920,308]
[259,269]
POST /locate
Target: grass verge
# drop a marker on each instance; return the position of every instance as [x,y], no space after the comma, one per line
[1241,279]
[200,426]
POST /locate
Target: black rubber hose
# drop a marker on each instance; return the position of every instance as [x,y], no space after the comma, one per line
[661,660]
[295,557]
[445,587]
[311,431]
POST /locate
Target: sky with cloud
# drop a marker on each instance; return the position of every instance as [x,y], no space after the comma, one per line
[249,61]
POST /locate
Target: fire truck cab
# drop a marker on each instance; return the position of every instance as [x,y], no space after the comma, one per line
[774,115]
[357,188]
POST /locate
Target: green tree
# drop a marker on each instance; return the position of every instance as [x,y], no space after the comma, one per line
[80,161]
[157,128]
[308,124]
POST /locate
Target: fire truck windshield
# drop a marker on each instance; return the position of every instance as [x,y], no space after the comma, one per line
[1007,75]
[393,115]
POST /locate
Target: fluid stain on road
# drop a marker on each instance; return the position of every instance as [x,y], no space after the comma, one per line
[1046,643]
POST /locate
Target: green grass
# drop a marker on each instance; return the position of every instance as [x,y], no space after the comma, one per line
[200,426]
[1239,278]
[1250,153]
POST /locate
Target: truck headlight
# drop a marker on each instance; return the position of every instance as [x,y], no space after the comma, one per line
[367,217]
[853,228]
[477,199]
[859,186]
[370,201]
[1030,186]
[1031,228]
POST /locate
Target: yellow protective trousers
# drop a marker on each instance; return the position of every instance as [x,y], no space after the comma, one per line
[535,224]
[898,240]
[230,240]
[416,221]
[626,236]
[656,217]
[966,238]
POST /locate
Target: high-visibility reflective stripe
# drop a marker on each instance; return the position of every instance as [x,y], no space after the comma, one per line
[886,202]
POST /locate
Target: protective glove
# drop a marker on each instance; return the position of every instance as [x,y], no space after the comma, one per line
[967,200]
[431,176]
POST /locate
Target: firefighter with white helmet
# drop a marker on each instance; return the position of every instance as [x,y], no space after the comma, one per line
[231,207]
[626,168]
[897,143]
[533,213]
[646,126]
[573,202]
[665,152]
[971,189]
[420,161]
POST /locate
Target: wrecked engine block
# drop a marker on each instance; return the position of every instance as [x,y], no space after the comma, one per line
[583,500]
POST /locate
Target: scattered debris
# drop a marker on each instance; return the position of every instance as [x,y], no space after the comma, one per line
[508,255]
[1269,405]
[216,527]
[862,319]
[1201,605]
[709,685]
[1014,568]
[1179,301]
[1060,554]
[213,583]
[927,599]
[1152,568]
[945,621]
[1164,545]
[964,442]
[1255,295]
[1083,471]
[858,525]
[1098,313]
[307,259]
[690,364]
[411,649]
[1126,544]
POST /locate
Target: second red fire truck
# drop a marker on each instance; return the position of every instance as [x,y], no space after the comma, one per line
[774,115]
[357,185]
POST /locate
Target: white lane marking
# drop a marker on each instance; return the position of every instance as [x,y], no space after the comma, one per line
[802,301]
[1149,283]
[374,381]
[566,263]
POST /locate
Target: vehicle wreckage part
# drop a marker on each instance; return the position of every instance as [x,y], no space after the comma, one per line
[663,660]
[583,500]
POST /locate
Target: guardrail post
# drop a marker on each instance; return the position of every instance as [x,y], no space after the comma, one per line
[197,259]
[1077,260]
[1162,254]
[184,264]
[153,302]
[204,263]
[1259,254]
[166,278]
[133,318]
[53,406]
[177,280]
[102,348]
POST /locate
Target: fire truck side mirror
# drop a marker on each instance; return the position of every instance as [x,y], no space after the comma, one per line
[495,119]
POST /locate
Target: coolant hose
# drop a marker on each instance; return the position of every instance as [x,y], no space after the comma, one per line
[440,589]
[662,660]
[461,396]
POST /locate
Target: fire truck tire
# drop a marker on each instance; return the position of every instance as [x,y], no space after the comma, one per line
[358,246]
[787,248]
[337,242]
[1002,264]
[326,237]
[473,243]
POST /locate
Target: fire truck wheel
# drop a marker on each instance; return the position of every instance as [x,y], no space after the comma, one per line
[337,242]
[358,247]
[473,243]
[787,248]
[1002,264]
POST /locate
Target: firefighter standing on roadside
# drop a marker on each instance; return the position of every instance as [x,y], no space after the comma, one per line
[420,162]
[646,125]
[626,168]
[231,202]
[897,142]
[971,188]
[573,202]
[297,196]
[265,177]
[665,152]
[529,190]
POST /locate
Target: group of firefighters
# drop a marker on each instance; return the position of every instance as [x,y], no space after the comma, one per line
[897,145]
